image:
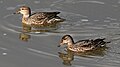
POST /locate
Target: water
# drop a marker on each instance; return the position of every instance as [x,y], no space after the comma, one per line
[86,19]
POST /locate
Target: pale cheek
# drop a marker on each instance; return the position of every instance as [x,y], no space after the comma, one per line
[65,41]
[24,12]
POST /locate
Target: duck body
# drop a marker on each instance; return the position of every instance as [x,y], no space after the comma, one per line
[82,45]
[42,18]
[38,18]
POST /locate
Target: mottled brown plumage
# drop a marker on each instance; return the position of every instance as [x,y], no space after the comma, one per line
[38,18]
[82,45]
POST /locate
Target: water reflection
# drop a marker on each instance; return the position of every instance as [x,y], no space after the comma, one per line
[68,56]
[24,37]
[26,29]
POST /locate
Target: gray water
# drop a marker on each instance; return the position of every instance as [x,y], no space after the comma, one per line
[85,19]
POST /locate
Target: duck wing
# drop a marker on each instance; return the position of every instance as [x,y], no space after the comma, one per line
[91,43]
[42,17]
[84,43]
[100,42]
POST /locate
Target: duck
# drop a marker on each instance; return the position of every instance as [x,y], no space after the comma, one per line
[82,45]
[38,18]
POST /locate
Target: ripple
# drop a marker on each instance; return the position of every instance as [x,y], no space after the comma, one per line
[94,27]
[113,25]
[73,14]
[3,48]
[115,5]
[12,30]
[36,2]
[106,21]
[10,8]
[10,27]
[58,1]
[73,1]
[110,18]
[98,2]
[45,9]
[4,53]
[6,16]
[20,5]
[41,52]
[84,20]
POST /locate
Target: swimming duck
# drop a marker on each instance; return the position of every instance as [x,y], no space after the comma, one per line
[38,18]
[82,45]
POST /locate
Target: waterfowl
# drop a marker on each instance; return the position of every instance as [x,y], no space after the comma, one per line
[82,45]
[38,18]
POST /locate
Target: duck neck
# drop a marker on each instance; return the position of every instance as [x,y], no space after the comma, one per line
[25,18]
[26,15]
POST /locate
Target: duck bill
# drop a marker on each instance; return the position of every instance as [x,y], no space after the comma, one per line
[17,12]
[60,44]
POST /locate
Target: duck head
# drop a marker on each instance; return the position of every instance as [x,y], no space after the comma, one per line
[66,40]
[24,10]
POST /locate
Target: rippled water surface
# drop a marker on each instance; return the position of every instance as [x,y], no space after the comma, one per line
[85,19]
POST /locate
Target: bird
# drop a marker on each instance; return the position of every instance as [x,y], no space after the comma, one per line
[82,45]
[38,18]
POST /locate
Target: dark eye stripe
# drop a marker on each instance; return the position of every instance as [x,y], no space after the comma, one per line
[64,38]
[23,9]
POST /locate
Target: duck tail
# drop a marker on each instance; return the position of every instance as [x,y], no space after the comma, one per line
[58,19]
[105,41]
[57,12]
[100,42]
[54,13]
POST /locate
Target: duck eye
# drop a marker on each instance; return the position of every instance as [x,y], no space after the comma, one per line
[22,9]
[64,39]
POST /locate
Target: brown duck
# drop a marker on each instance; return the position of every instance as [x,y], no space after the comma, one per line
[38,18]
[82,45]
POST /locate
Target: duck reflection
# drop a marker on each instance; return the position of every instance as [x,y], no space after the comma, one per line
[26,29]
[68,56]
[24,37]
[101,51]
